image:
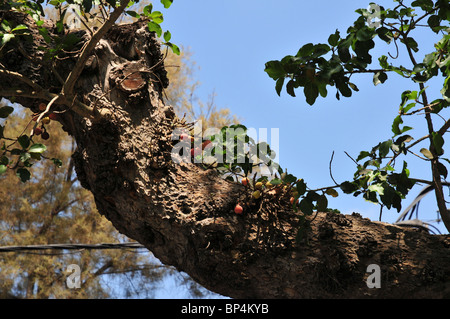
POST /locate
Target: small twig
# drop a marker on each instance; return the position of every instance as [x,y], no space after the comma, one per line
[49,105]
[396,47]
[423,158]
[331,174]
[407,148]
[351,158]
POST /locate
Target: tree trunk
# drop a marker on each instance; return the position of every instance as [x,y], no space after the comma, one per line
[184,213]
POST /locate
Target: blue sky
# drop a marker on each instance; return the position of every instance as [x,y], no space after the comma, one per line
[232,40]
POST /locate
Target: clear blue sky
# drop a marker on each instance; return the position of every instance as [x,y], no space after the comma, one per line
[232,40]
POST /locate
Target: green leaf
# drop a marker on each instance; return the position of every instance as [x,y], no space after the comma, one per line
[167,36]
[44,33]
[306,206]
[25,156]
[376,188]
[289,179]
[24,141]
[333,39]
[148,10]
[112,3]
[134,14]
[290,88]
[279,85]
[365,34]
[322,87]
[438,142]
[446,90]
[343,88]
[370,196]
[362,155]
[57,162]
[23,174]
[157,17]
[4,160]
[322,203]
[5,25]
[301,187]
[332,192]
[305,50]
[167,3]
[87,5]
[385,34]
[20,27]
[5,111]
[353,86]
[154,27]
[383,62]
[37,148]
[348,187]
[2,169]
[311,92]
[423,4]
[174,47]
[384,148]
[275,69]
[442,170]
[426,153]
[276,181]
[410,42]
[434,22]
[396,126]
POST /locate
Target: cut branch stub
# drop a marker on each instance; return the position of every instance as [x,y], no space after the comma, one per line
[132,82]
[130,77]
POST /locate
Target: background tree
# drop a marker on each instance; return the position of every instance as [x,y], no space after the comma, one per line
[53,208]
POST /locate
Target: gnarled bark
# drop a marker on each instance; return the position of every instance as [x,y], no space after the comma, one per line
[184,213]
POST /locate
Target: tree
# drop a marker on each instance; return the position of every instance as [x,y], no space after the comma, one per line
[53,208]
[107,86]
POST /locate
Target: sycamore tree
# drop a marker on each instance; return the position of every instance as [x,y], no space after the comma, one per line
[237,233]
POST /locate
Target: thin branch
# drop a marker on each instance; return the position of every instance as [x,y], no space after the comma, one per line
[351,158]
[429,107]
[408,148]
[331,174]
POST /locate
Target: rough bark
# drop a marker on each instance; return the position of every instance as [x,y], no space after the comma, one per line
[184,213]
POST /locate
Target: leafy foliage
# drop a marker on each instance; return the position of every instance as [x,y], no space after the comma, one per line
[317,68]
